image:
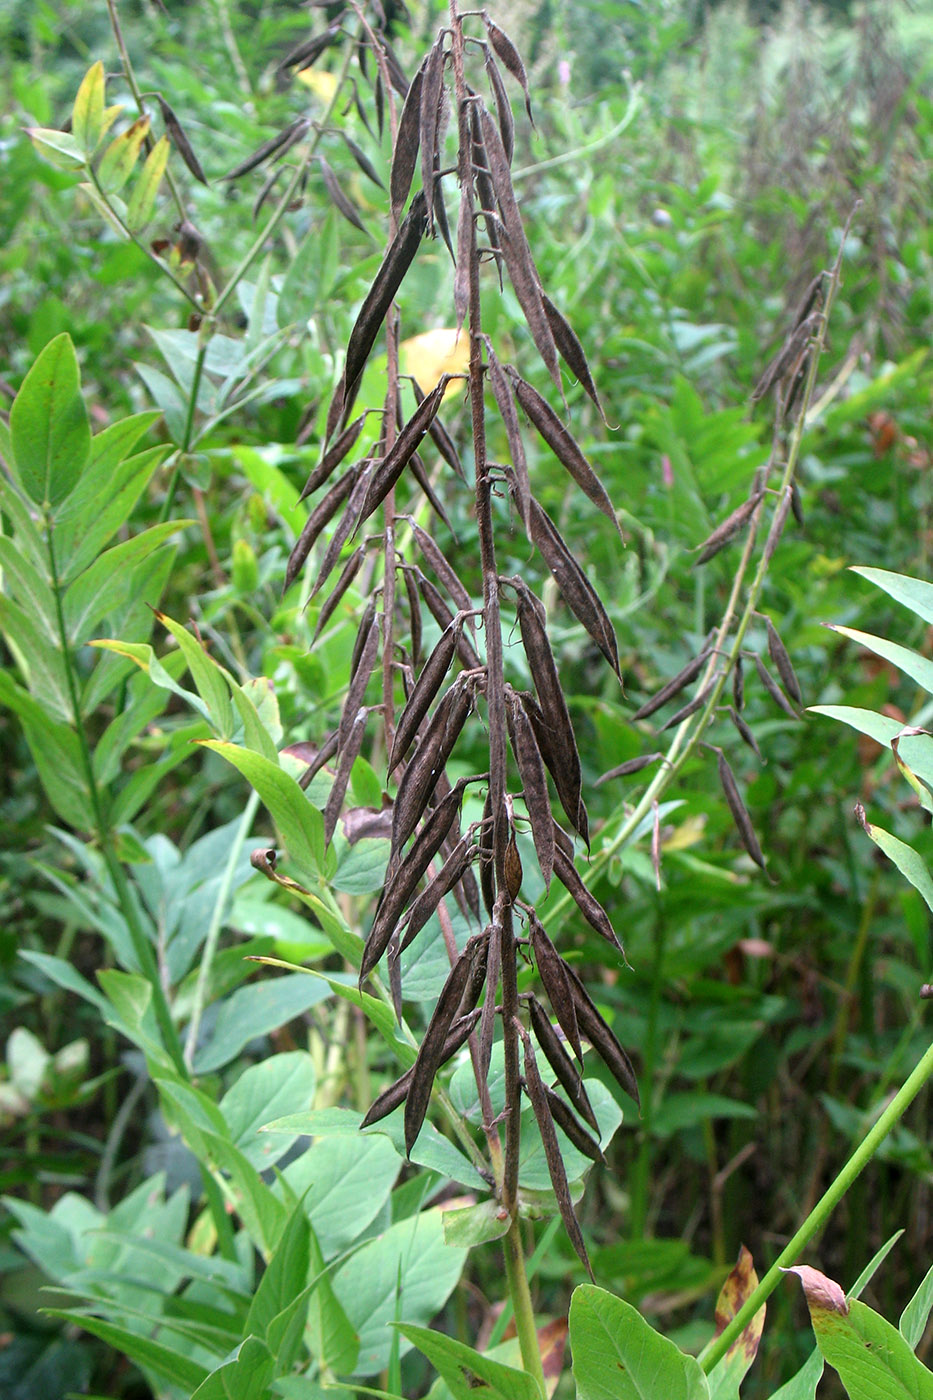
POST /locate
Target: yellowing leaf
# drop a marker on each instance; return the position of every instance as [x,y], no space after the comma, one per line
[142,200]
[689,833]
[321,83]
[87,116]
[428,356]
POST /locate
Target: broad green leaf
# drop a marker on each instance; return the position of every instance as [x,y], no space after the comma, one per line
[361,868]
[467,1371]
[871,1356]
[163,1361]
[803,1385]
[726,1377]
[344,1183]
[256,1010]
[64,975]
[284,1278]
[262,1213]
[116,165]
[679,1111]
[911,865]
[129,998]
[914,1317]
[141,204]
[333,1342]
[169,398]
[255,734]
[42,664]
[406,1275]
[207,675]
[59,148]
[269,481]
[472,1225]
[100,588]
[617,1355]
[28,586]
[913,593]
[915,750]
[246,1375]
[87,114]
[301,824]
[56,752]
[49,425]
[262,1092]
[102,501]
[910,662]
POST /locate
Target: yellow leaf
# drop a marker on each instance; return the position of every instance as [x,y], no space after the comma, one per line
[426,357]
[321,83]
[688,834]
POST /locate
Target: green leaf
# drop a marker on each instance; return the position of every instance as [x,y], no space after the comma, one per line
[263,1092]
[116,165]
[142,201]
[333,1341]
[679,1111]
[301,824]
[246,1375]
[87,114]
[914,1317]
[49,425]
[409,1260]
[263,1215]
[100,588]
[41,663]
[255,734]
[56,753]
[913,593]
[29,587]
[911,865]
[59,148]
[64,975]
[105,496]
[255,1010]
[916,750]
[472,1225]
[163,1361]
[283,1281]
[617,1355]
[208,676]
[871,1356]
[344,1182]
[467,1372]
[172,404]
[917,667]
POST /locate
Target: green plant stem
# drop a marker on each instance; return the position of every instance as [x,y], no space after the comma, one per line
[641,1172]
[820,1213]
[566,157]
[213,931]
[520,1295]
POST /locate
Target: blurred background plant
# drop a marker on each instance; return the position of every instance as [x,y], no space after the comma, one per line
[693,168]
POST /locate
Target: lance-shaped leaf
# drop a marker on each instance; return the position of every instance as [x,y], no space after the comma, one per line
[388,279]
[432,86]
[395,1095]
[141,203]
[563,445]
[565,1071]
[179,139]
[602,1038]
[571,351]
[429,760]
[555,1163]
[430,1055]
[575,588]
[405,155]
[518,259]
[276,146]
[739,811]
[742,1281]
[534,784]
[333,457]
[118,160]
[422,696]
[450,873]
[511,58]
[323,512]
[388,471]
[87,114]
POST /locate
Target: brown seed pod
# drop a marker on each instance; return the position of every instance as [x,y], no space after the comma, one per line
[277,146]
[485,192]
[414,616]
[773,689]
[577,1134]
[587,903]
[738,683]
[363,161]
[349,752]
[777,524]
[450,873]
[779,655]
[571,351]
[395,1095]
[534,784]
[506,405]
[487,1023]
[180,141]
[503,106]
[690,708]
[602,1038]
[441,438]
[333,457]
[341,203]
[739,811]
[729,528]
[564,1069]
[432,86]
[562,762]
[629,767]
[506,51]
[405,155]
[435,557]
[323,512]
[555,1163]
[359,680]
[309,51]
[512,866]
[429,760]
[563,445]
[443,617]
[745,731]
[346,526]
[674,686]
[554,979]
[388,471]
[347,574]
[324,754]
[422,696]
[575,588]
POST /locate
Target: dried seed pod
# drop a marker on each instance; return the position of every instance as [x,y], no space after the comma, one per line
[729,528]
[674,686]
[180,141]
[587,903]
[359,679]
[629,767]
[431,1052]
[487,1023]
[512,866]
[432,87]
[363,161]
[309,51]
[779,655]
[552,1155]
[438,561]
[441,438]
[575,588]
[395,1095]
[577,1134]
[796,504]
[428,762]
[405,155]
[349,752]
[738,683]
[341,203]
[506,405]
[333,457]
[388,471]
[450,873]
[362,635]
[739,811]
[414,617]
[487,878]
[602,1038]
[534,784]
[443,617]
[563,445]
[347,526]
[277,146]
[777,524]
[562,761]
[564,1069]
[416,467]
[388,279]
[347,574]
[324,754]
[571,351]
[484,188]
[426,687]
[503,106]
[690,708]
[322,514]
[511,58]
[553,974]
[773,689]
[745,731]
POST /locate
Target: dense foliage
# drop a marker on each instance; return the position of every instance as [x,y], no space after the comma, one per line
[731,210]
